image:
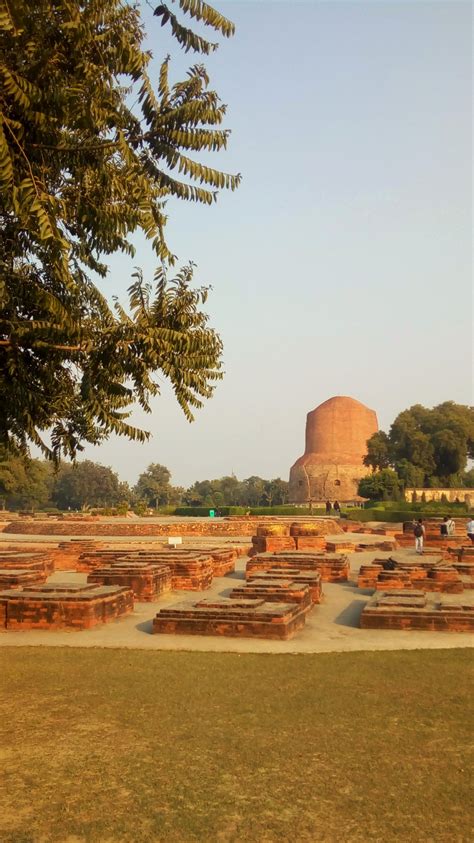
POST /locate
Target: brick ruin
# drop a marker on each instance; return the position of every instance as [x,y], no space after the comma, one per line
[147,581]
[310,578]
[63,606]
[275,590]
[240,618]
[332,567]
[427,573]
[417,610]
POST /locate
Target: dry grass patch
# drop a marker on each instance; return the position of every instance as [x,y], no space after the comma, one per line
[110,745]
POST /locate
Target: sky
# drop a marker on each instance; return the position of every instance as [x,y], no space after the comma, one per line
[343,263]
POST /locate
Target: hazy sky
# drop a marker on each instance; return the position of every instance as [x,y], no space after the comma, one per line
[342,265]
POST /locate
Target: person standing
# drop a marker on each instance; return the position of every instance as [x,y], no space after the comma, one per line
[451,525]
[470,530]
[328,507]
[337,508]
[419,532]
[443,529]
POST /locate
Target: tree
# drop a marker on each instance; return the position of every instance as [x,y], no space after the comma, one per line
[378,451]
[87,484]
[24,483]
[381,485]
[427,447]
[153,485]
[89,152]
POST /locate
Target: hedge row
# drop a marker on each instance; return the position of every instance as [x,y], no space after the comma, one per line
[394,516]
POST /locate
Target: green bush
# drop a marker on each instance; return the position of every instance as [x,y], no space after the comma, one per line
[285,509]
[398,515]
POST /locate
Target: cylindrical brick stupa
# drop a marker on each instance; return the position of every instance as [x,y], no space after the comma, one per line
[336,443]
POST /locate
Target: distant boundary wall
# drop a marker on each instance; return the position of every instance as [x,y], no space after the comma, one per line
[452,495]
[209,527]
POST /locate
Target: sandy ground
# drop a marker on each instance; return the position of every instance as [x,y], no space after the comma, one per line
[333,626]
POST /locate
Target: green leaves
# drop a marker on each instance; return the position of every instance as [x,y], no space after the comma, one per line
[81,170]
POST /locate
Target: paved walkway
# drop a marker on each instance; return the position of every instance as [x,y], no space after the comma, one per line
[330,627]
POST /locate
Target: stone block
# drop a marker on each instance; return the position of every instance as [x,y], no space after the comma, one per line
[234,618]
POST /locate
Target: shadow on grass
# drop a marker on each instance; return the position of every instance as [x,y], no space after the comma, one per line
[350,616]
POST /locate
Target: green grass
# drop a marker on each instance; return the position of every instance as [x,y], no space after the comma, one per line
[116,745]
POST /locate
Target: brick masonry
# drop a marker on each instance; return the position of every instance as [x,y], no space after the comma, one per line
[310,578]
[234,618]
[417,610]
[148,582]
[332,567]
[58,606]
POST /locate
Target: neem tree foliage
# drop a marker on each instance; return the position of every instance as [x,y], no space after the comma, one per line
[426,447]
[89,152]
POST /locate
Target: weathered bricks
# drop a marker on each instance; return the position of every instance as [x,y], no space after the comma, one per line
[53,606]
[310,578]
[147,582]
[235,618]
[14,578]
[188,527]
[416,610]
[332,567]
[398,573]
[27,561]
[274,591]
[269,544]
[191,570]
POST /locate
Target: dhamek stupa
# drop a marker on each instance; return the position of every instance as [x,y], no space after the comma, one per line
[336,444]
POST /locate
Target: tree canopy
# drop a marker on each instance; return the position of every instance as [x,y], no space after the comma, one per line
[427,447]
[90,150]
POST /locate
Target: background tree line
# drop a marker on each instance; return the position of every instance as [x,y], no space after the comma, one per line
[35,484]
[427,448]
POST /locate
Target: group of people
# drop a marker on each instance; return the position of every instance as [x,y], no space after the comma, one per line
[333,506]
[446,529]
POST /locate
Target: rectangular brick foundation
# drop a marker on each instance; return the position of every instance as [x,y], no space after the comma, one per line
[191,570]
[332,567]
[26,561]
[147,582]
[13,578]
[419,611]
[310,578]
[54,606]
[234,618]
[274,591]
[423,574]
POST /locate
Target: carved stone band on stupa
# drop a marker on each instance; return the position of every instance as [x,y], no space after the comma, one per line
[336,443]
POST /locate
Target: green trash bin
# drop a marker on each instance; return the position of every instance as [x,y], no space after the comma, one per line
[211,513]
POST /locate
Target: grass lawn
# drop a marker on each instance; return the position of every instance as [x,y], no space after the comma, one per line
[116,745]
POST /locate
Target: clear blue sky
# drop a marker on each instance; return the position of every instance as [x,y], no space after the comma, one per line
[342,266]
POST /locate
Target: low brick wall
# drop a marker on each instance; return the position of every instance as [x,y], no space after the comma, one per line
[63,607]
[234,618]
[310,578]
[148,582]
[416,610]
[228,527]
[332,567]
